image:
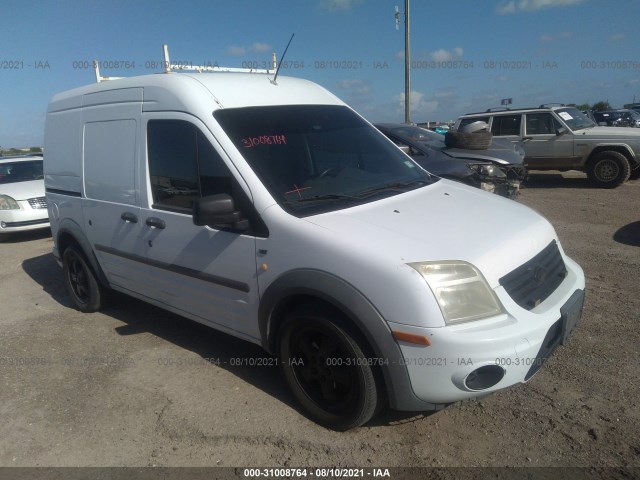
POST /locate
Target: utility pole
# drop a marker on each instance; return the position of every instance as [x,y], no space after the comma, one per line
[407,65]
[407,61]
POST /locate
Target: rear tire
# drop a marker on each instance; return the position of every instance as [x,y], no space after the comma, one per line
[326,369]
[608,169]
[84,289]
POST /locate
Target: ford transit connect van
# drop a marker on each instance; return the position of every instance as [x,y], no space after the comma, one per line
[275,213]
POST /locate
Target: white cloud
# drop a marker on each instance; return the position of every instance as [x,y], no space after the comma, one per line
[235,50]
[504,8]
[338,5]
[556,36]
[399,55]
[354,87]
[418,104]
[617,37]
[443,55]
[511,6]
[260,47]
[257,47]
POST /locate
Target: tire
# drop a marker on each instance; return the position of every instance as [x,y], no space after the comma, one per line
[471,141]
[326,369]
[608,169]
[86,292]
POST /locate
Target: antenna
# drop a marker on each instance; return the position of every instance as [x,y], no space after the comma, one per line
[282,58]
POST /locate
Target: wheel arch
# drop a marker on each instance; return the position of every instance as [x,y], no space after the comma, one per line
[308,285]
[70,233]
[622,149]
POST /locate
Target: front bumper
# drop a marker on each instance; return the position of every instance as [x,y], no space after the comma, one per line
[471,360]
[24,218]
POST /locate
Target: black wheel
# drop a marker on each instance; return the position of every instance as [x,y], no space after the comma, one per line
[85,290]
[471,141]
[327,370]
[608,169]
[635,173]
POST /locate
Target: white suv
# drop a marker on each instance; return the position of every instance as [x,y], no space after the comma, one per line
[273,212]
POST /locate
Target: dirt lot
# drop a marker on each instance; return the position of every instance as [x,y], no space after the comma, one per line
[132,386]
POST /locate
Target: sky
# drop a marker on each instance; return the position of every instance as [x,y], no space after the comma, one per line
[466,55]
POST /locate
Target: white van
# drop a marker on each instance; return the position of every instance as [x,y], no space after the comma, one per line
[273,212]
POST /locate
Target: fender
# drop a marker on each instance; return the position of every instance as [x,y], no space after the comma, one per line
[362,313]
[72,229]
[601,147]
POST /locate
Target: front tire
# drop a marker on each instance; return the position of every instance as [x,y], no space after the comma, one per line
[327,370]
[608,169]
[84,289]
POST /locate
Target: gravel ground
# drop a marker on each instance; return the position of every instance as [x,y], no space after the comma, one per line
[137,386]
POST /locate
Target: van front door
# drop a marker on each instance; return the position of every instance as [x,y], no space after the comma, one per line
[206,274]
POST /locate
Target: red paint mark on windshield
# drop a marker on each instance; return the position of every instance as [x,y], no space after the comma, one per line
[250,142]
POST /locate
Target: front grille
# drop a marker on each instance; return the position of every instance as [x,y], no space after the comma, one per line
[532,282]
[40,202]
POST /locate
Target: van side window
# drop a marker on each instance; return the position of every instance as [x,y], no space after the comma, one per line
[183,165]
[541,124]
[506,125]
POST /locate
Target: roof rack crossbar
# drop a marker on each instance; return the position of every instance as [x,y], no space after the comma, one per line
[169,67]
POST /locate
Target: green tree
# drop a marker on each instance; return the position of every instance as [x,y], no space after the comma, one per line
[583,106]
[35,150]
[602,105]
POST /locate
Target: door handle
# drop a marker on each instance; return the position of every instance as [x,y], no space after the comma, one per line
[129,217]
[155,222]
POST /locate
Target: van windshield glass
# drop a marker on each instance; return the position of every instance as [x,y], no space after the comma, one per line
[318,158]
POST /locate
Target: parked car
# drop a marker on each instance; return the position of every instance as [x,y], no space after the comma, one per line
[617,118]
[498,169]
[563,138]
[275,213]
[22,198]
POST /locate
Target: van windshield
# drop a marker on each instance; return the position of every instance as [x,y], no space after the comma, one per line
[318,158]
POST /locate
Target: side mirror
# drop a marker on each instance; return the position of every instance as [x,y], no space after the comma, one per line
[218,211]
[561,131]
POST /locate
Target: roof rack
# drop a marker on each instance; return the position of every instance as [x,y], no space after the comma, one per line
[169,67]
[497,109]
[547,105]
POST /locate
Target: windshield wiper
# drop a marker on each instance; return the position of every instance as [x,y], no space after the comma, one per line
[391,186]
[329,196]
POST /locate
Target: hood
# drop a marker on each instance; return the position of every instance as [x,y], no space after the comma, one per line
[23,190]
[608,133]
[444,221]
[501,151]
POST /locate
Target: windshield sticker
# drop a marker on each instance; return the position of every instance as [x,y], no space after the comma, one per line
[409,164]
[565,116]
[251,142]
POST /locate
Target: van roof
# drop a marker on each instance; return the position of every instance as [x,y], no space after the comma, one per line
[191,92]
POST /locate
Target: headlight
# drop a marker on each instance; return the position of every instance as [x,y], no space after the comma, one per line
[487,170]
[8,203]
[461,291]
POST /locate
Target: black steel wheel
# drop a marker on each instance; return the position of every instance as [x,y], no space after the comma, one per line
[327,370]
[82,284]
[608,169]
